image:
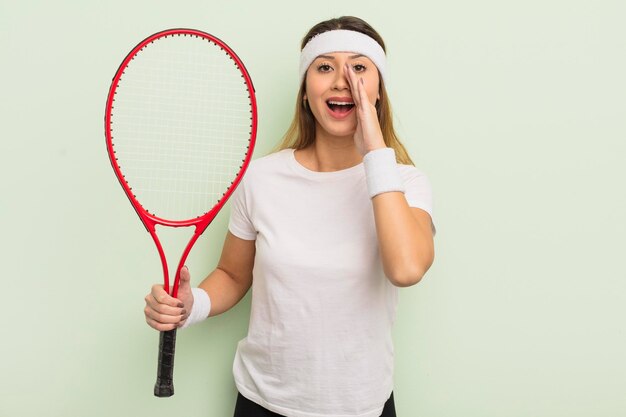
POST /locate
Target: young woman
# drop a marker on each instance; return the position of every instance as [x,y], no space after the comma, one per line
[329,226]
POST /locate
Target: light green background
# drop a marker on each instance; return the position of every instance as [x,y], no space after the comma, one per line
[515,110]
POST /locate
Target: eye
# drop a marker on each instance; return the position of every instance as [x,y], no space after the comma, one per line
[359,67]
[324,68]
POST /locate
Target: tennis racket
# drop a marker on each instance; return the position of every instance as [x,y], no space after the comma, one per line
[180,127]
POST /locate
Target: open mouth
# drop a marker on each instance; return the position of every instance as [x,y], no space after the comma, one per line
[340,107]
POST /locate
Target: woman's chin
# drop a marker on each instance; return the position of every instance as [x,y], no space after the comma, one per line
[339,132]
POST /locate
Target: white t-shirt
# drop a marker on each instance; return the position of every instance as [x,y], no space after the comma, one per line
[319,342]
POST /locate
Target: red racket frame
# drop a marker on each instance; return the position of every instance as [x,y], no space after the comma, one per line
[149,220]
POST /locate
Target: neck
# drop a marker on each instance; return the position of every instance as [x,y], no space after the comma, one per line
[329,153]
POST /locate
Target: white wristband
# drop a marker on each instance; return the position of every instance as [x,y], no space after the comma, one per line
[200,309]
[381,172]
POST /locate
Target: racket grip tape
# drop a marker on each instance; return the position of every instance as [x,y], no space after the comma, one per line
[164,386]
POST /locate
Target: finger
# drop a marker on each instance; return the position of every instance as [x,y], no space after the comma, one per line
[352,80]
[346,69]
[159,308]
[362,93]
[162,297]
[185,277]
[160,326]
[164,317]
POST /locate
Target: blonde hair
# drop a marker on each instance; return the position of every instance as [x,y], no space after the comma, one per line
[301,132]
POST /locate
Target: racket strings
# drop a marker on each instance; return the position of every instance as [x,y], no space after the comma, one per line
[181,125]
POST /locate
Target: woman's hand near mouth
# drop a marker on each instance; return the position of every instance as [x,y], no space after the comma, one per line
[368,135]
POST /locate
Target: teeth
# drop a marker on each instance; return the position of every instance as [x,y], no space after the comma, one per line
[341,103]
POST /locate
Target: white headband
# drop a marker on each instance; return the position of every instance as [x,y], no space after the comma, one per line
[342,41]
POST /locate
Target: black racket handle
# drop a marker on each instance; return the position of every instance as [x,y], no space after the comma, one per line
[164,386]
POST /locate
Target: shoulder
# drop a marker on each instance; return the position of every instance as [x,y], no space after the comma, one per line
[263,170]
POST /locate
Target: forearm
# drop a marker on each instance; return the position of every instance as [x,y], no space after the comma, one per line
[406,245]
[404,237]
[223,290]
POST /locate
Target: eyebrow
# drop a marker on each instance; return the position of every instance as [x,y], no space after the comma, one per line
[332,57]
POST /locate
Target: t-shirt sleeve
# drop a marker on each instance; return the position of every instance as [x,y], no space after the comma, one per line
[419,192]
[240,223]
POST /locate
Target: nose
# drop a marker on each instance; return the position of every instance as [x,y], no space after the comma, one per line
[341,79]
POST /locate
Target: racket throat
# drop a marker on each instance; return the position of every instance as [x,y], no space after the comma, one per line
[169,246]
